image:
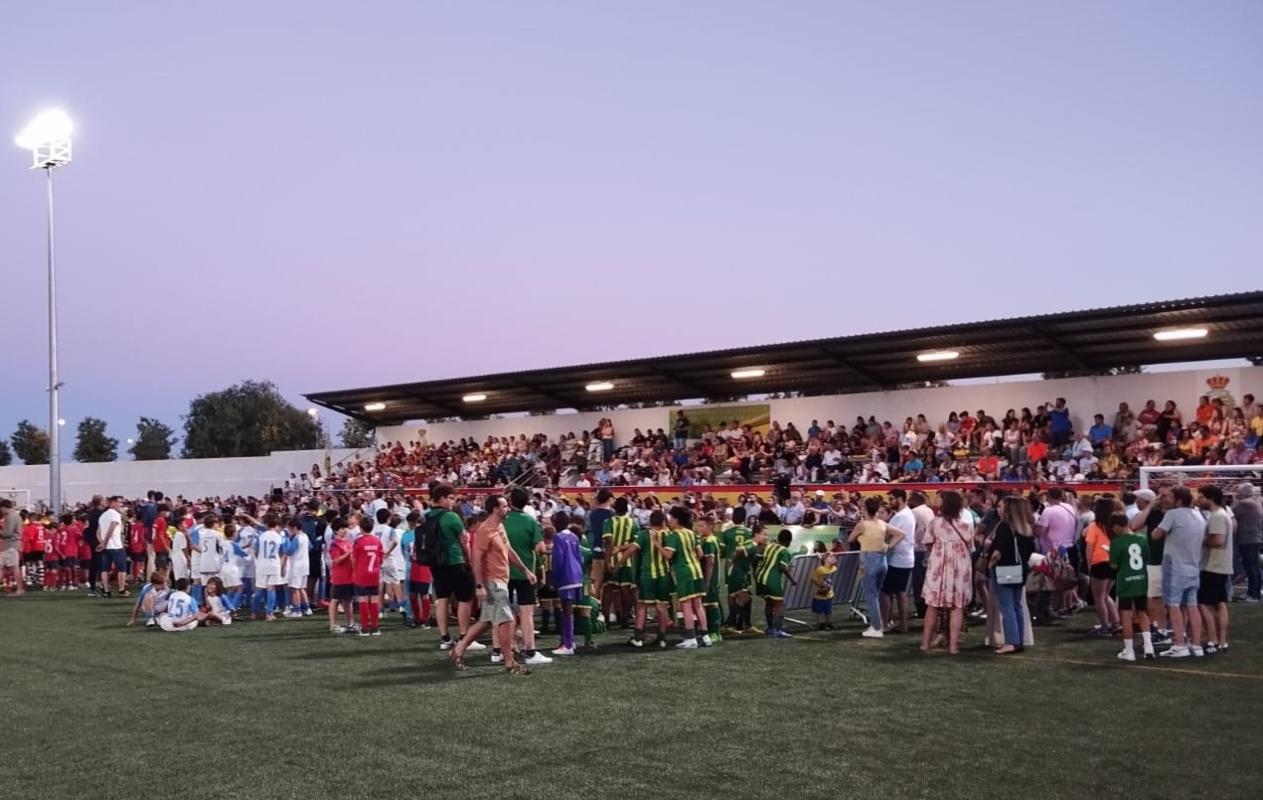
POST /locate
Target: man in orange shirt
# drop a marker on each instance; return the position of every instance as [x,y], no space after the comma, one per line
[491,556]
[1036,450]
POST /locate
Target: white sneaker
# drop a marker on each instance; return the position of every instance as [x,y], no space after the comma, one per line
[706,640]
[149,623]
[497,658]
[1175,652]
[307,612]
[872,633]
[474,646]
[564,651]
[687,644]
[538,658]
[293,615]
[1126,655]
[446,644]
[1197,651]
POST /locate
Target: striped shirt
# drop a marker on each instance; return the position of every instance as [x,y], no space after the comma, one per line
[652,564]
[620,531]
[685,557]
[772,558]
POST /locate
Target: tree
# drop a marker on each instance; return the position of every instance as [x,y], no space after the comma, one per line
[30,443]
[248,419]
[6,455]
[154,441]
[1093,373]
[356,433]
[93,445]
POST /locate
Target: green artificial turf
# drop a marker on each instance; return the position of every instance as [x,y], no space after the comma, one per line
[284,709]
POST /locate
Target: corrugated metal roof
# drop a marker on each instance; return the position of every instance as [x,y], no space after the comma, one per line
[1085,340]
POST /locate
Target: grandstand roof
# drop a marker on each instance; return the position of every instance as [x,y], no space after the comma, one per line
[1085,341]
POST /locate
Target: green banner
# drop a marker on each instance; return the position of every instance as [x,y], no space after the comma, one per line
[757,415]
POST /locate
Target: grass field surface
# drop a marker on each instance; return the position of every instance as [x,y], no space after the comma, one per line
[286,710]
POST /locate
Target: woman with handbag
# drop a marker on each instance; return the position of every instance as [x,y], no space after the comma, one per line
[949,570]
[1010,554]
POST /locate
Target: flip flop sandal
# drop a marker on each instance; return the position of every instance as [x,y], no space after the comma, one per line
[458,662]
[517,669]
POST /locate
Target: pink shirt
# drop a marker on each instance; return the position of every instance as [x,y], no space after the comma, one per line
[1056,527]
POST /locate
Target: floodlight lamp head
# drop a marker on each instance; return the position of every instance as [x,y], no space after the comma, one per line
[48,139]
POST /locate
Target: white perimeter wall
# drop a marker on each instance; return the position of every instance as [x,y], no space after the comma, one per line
[1085,396]
[195,477]
[254,476]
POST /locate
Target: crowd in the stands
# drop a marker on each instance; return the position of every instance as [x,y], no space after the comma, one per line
[1042,445]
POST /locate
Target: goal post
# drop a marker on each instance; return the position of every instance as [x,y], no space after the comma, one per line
[21,497]
[1225,476]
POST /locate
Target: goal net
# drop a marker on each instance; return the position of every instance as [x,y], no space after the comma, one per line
[1224,476]
[21,497]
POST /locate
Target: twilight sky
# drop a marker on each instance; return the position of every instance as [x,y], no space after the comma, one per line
[326,197]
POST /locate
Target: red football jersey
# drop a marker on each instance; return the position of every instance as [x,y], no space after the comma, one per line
[137,541]
[161,541]
[340,574]
[420,573]
[28,538]
[85,550]
[368,561]
[68,541]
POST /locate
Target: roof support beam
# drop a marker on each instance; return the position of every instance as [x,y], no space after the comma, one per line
[867,375]
[687,383]
[451,411]
[1060,347]
[561,400]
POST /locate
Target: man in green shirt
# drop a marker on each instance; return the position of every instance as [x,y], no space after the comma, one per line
[453,579]
[617,533]
[527,540]
[738,552]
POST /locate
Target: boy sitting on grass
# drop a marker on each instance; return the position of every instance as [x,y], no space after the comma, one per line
[152,600]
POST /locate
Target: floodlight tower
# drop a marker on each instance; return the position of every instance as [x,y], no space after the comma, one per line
[48,139]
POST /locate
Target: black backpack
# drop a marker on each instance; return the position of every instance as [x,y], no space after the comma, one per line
[428,550]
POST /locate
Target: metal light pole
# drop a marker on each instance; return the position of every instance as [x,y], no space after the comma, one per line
[48,139]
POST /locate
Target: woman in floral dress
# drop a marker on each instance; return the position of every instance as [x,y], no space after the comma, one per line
[949,571]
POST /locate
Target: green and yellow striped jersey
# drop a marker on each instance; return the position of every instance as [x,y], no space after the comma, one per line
[773,556]
[652,564]
[684,542]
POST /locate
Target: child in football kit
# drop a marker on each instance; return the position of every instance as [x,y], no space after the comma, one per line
[182,613]
[1129,556]
[770,580]
[366,559]
[341,576]
[268,569]
[152,600]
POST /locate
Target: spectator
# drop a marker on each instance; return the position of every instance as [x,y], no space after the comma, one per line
[900,564]
[681,430]
[949,572]
[1182,532]
[1096,542]
[1059,425]
[924,516]
[1100,433]
[1249,517]
[10,546]
[1011,547]
[875,538]
[1215,579]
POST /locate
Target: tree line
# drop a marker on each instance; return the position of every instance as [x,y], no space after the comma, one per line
[250,418]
